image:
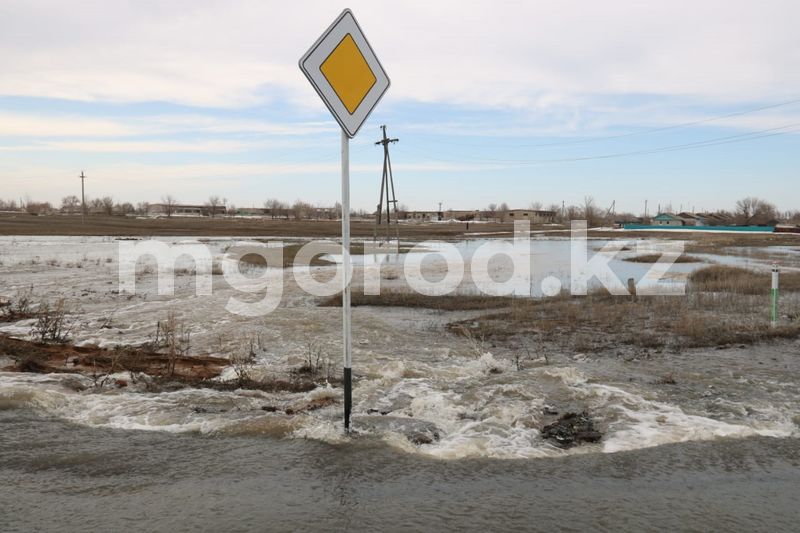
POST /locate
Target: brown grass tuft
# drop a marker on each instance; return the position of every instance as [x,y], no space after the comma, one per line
[653,258]
[719,278]
[398,298]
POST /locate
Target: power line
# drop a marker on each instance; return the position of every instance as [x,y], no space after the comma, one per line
[635,133]
[770,132]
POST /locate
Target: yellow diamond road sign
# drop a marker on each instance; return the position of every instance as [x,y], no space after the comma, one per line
[345,72]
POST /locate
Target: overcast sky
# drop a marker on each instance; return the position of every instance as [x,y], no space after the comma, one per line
[693,103]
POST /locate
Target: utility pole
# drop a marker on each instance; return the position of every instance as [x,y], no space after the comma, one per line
[387,184]
[83,200]
[645,209]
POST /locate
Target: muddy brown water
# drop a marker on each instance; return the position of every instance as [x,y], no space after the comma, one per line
[73,458]
[63,477]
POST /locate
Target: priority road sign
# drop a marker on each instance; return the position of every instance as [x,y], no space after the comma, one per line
[345,72]
[350,80]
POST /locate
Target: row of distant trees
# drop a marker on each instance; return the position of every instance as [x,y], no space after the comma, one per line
[69,204]
[169,205]
[749,210]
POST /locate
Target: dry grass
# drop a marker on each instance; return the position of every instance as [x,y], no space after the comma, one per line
[723,305]
[719,278]
[397,298]
[654,258]
[598,322]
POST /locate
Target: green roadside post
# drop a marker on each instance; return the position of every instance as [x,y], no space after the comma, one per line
[774,306]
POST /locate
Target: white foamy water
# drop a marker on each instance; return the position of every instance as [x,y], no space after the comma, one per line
[473,417]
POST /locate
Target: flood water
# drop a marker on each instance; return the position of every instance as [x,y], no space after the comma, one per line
[57,476]
[715,447]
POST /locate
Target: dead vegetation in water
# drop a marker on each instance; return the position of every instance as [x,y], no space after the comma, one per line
[54,319]
[53,322]
[723,305]
[32,356]
[399,298]
[317,364]
[731,313]
[156,371]
[18,307]
[164,362]
[654,258]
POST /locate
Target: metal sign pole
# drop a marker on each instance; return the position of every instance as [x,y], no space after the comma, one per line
[346,338]
[346,73]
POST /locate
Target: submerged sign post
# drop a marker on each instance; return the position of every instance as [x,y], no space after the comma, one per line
[348,77]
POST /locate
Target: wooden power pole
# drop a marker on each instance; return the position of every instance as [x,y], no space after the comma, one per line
[387,185]
[83,199]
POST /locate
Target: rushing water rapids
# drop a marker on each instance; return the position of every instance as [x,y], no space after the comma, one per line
[480,407]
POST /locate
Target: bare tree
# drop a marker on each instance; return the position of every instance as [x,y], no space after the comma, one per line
[70,203]
[301,209]
[555,208]
[107,203]
[535,206]
[8,205]
[33,207]
[590,211]
[752,210]
[491,210]
[502,211]
[273,207]
[125,208]
[213,203]
[169,202]
[574,212]
[38,208]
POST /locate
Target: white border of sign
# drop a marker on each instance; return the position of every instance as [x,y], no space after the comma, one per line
[312,60]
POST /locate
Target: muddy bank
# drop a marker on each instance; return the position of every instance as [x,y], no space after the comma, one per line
[163,372]
[29,356]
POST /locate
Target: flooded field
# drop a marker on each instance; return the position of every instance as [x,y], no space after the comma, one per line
[448,423]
